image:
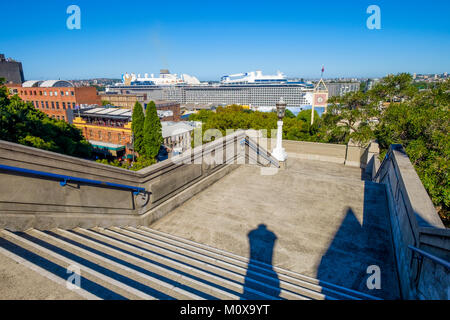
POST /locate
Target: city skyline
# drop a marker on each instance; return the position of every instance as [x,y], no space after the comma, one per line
[209,40]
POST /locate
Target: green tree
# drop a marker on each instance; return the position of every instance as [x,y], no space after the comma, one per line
[289,114]
[305,116]
[105,102]
[21,122]
[152,132]
[394,88]
[142,162]
[137,127]
[421,124]
[350,117]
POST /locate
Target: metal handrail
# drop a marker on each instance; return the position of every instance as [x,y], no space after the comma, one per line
[430,256]
[64,179]
[247,141]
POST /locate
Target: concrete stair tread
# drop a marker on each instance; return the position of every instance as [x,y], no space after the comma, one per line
[228,257]
[142,263]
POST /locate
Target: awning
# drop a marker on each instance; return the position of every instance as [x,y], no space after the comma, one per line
[107,145]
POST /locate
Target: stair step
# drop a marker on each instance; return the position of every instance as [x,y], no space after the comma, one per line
[143,279]
[228,257]
[198,268]
[149,266]
[43,272]
[142,263]
[121,289]
[230,271]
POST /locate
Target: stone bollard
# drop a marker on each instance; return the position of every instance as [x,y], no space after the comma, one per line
[353,155]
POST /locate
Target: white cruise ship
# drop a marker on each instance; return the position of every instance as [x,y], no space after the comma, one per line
[252,89]
[165,79]
[253,77]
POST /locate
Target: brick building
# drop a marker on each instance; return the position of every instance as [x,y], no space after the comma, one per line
[55,97]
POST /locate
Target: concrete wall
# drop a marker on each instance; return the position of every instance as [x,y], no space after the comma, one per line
[350,155]
[414,222]
[33,201]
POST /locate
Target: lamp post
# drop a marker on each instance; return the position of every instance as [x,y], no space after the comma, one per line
[279,153]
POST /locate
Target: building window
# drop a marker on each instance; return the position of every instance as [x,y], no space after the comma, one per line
[100,135]
[62,93]
[51,93]
[72,93]
[64,105]
[42,104]
[46,104]
[45,93]
[40,93]
[57,117]
[62,117]
[67,93]
[35,93]
[53,105]
[73,105]
[90,133]
[57,105]
[56,93]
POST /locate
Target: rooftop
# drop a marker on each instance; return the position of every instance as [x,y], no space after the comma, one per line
[47,83]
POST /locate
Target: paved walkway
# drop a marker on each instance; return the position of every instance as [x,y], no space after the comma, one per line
[322,220]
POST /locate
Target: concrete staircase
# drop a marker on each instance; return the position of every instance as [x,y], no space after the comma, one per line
[142,263]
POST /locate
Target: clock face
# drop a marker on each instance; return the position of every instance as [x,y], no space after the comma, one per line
[320,99]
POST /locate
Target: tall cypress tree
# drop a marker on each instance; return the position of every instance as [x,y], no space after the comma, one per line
[137,126]
[152,131]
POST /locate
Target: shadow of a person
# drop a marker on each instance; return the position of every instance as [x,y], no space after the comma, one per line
[260,275]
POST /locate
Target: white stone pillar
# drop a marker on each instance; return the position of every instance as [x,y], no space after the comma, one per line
[279,153]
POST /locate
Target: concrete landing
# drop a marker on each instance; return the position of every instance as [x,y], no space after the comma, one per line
[321,218]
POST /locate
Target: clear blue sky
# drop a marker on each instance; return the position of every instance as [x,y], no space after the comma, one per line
[208,39]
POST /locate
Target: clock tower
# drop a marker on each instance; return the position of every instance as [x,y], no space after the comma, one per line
[320,97]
